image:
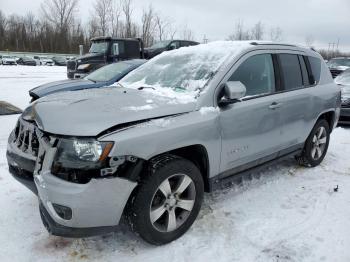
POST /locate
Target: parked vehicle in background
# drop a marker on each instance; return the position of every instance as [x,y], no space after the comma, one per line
[42,60]
[59,61]
[0,59]
[102,77]
[343,81]
[166,45]
[8,60]
[185,122]
[26,61]
[104,50]
[338,65]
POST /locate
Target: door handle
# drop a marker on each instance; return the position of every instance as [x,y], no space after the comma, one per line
[275,105]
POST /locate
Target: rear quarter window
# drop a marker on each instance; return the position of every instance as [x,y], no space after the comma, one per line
[291,71]
[315,64]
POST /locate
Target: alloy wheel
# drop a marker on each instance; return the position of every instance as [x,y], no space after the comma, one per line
[172,203]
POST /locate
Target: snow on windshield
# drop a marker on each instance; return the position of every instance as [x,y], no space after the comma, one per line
[184,71]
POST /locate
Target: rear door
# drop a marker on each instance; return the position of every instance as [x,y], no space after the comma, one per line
[296,101]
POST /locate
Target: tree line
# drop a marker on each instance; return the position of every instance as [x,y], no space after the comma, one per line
[58,29]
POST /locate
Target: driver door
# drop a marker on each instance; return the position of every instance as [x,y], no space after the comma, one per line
[251,129]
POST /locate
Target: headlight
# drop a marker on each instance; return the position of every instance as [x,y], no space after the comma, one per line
[83,66]
[82,153]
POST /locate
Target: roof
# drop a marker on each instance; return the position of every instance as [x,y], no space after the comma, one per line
[113,38]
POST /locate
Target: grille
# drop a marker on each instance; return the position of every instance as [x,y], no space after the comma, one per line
[71,65]
[26,138]
[335,72]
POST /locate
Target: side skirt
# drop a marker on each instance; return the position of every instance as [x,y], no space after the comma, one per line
[237,174]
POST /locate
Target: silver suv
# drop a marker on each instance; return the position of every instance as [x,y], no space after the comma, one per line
[188,121]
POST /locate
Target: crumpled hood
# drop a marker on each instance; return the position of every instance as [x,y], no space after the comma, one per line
[90,112]
[63,85]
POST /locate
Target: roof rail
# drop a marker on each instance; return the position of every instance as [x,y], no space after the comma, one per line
[262,43]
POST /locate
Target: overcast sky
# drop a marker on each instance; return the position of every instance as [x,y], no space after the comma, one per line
[325,20]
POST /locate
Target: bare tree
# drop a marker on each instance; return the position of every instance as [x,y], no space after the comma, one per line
[59,12]
[163,27]
[309,40]
[187,33]
[92,29]
[127,10]
[239,33]
[103,9]
[115,19]
[257,32]
[3,25]
[148,25]
[276,34]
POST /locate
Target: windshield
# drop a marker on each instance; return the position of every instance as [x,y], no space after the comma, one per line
[109,72]
[182,70]
[98,47]
[339,62]
[7,56]
[160,44]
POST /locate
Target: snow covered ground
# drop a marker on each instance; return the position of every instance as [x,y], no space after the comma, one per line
[287,213]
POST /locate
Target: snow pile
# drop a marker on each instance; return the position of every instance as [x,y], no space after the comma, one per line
[16,81]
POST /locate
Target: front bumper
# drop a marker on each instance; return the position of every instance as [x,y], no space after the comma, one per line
[96,207]
[99,203]
[344,116]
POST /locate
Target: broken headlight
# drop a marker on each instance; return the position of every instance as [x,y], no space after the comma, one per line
[82,153]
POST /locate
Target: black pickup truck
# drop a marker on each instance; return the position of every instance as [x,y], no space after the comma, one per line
[104,50]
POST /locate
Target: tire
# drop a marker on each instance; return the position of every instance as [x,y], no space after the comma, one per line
[159,219]
[316,145]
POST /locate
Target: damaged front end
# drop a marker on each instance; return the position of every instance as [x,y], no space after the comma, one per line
[82,190]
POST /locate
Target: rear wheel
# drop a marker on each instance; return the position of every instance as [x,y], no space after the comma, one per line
[168,200]
[316,145]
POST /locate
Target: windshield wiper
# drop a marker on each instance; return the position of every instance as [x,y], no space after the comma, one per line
[143,87]
[91,80]
[120,84]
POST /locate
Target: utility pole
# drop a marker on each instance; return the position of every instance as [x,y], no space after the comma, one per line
[205,39]
[338,44]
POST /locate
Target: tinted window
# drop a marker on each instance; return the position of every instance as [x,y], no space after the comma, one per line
[175,44]
[306,79]
[109,72]
[185,43]
[315,64]
[291,71]
[257,74]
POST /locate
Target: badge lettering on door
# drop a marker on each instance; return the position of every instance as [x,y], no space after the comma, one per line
[237,150]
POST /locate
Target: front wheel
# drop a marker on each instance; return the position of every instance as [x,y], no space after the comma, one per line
[316,145]
[168,200]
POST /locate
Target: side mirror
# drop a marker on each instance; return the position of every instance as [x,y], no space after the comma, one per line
[233,92]
[115,49]
[171,47]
